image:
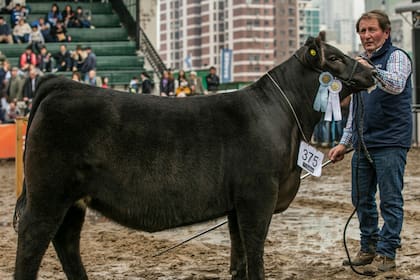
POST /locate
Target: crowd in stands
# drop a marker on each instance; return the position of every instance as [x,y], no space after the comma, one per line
[182,86]
[50,28]
[18,83]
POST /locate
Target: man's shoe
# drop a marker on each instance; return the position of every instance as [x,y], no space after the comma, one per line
[380,264]
[362,258]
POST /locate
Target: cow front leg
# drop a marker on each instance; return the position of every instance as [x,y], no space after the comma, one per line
[67,242]
[254,211]
[237,253]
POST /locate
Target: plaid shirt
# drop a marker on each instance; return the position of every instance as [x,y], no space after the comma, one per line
[393,81]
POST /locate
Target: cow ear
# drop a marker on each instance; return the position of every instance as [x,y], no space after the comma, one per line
[312,55]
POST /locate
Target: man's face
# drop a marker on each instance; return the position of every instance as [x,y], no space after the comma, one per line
[371,35]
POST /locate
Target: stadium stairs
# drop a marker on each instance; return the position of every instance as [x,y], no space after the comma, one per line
[116,53]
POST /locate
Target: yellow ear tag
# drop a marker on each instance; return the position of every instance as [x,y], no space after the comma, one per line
[312,52]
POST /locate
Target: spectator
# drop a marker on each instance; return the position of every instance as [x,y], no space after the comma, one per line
[76,76]
[30,85]
[5,32]
[36,39]
[195,84]
[78,57]
[59,33]
[146,83]
[90,62]
[68,16]
[14,89]
[4,71]
[63,60]
[133,86]
[16,14]
[105,82]
[54,15]
[21,32]
[182,89]
[44,60]
[27,58]
[167,85]
[92,79]
[212,80]
[81,19]
[45,29]
[12,112]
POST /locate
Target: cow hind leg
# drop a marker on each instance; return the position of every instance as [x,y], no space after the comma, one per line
[237,253]
[36,230]
[67,242]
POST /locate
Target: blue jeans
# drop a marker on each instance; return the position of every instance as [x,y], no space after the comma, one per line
[386,173]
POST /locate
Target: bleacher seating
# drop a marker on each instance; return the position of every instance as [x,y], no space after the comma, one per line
[116,53]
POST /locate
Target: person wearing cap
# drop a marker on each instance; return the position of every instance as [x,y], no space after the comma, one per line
[380,128]
[195,84]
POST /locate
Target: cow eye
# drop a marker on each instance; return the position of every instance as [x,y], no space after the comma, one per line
[334,58]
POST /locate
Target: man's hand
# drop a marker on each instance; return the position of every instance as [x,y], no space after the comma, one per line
[337,153]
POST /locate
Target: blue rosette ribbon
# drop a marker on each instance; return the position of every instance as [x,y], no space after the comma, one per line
[334,108]
[321,99]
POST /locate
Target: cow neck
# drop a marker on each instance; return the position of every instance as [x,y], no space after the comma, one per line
[290,105]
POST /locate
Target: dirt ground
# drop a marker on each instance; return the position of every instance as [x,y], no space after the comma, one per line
[304,242]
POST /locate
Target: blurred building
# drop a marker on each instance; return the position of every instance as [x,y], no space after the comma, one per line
[245,38]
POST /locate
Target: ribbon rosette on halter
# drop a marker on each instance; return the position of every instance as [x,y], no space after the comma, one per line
[327,99]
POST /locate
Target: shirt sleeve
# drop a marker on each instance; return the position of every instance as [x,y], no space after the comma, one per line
[394,78]
[347,131]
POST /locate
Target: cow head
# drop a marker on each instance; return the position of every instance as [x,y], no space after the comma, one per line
[324,57]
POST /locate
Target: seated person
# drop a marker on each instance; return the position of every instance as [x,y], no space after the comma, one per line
[81,19]
[59,32]
[11,113]
[63,61]
[27,59]
[44,60]
[54,15]
[21,32]
[36,39]
[92,79]
[79,57]
[68,16]
[45,29]
[5,32]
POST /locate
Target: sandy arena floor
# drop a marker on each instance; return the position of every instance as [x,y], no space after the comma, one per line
[304,242]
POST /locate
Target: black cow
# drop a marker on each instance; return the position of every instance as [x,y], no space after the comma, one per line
[153,163]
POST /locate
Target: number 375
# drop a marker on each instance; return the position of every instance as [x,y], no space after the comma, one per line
[310,158]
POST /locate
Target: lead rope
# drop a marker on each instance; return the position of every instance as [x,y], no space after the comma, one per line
[290,105]
[361,144]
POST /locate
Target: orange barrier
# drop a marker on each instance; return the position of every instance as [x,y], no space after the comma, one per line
[21,124]
[7,141]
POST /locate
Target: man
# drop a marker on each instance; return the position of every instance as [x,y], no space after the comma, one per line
[14,89]
[30,85]
[89,63]
[92,79]
[387,131]
[5,32]
[63,60]
[212,80]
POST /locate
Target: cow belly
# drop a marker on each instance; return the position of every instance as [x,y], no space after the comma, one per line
[153,207]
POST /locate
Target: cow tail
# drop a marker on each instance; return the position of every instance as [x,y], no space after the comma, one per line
[39,96]
[20,207]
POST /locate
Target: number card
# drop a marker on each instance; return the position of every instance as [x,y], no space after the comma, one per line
[310,159]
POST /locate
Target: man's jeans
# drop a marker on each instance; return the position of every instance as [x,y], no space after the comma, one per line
[387,173]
